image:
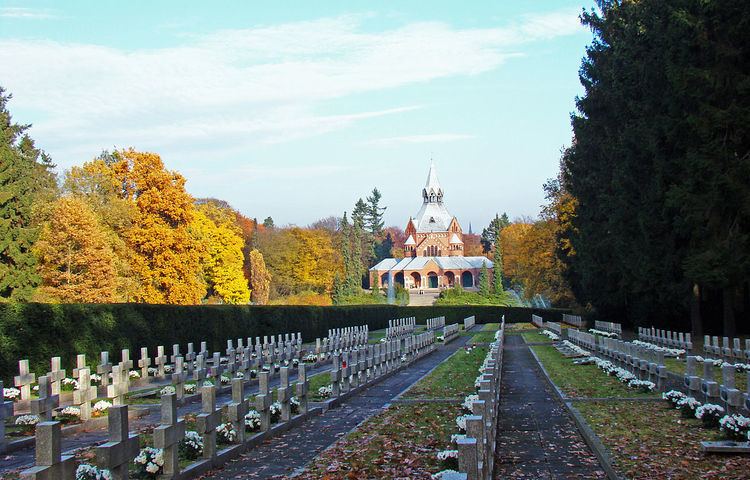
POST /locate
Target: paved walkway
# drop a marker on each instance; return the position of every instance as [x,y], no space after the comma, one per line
[537,439]
[283,455]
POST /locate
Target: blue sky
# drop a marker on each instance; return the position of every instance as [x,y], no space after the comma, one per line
[296,109]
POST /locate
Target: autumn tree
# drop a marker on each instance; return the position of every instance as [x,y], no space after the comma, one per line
[26,183]
[260,278]
[165,257]
[511,241]
[75,259]
[488,234]
[221,243]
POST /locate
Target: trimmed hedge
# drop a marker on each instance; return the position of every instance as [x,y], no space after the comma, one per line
[38,332]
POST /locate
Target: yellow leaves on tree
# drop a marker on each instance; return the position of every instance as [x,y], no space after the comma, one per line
[260,279]
[221,253]
[165,257]
[511,240]
[75,259]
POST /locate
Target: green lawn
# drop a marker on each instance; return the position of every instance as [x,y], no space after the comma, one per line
[651,440]
[453,378]
[483,337]
[400,442]
[535,337]
[375,336]
[582,380]
[487,327]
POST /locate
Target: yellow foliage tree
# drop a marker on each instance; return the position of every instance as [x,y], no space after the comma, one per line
[511,240]
[260,279]
[165,257]
[75,260]
[221,246]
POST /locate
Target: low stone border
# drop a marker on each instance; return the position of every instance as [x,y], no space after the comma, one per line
[592,440]
[614,399]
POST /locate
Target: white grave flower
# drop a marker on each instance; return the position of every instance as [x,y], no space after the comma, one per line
[90,472]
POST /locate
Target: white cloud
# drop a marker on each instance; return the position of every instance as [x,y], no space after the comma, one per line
[409,139]
[25,13]
[240,87]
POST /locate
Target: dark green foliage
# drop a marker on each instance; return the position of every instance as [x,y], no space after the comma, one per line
[484,281]
[374,215]
[41,331]
[26,181]
[489,234]
[660,165]
[268,222]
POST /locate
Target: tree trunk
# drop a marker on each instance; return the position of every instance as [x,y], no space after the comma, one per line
[728,301]
[696,321]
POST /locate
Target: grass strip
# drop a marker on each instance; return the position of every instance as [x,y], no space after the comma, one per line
[452,378]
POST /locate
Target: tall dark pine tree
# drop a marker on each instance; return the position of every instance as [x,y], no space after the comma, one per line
[488,234]
[374,215]
[484,281]
[25,179]
[497,266]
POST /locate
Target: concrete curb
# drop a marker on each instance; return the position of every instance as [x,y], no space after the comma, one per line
[589,436]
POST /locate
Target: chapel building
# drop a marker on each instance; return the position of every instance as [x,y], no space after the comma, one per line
[433,250]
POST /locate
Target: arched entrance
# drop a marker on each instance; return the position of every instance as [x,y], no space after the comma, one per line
[399,278]
[384,280]
[450,277]
[416,279]
[467,280]
[432,280]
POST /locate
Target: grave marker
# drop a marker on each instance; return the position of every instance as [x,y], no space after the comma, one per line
[121,448]
[168,435]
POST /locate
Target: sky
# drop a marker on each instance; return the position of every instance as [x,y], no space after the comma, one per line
[296,109]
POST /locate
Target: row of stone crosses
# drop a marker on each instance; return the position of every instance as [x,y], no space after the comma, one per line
[353,367]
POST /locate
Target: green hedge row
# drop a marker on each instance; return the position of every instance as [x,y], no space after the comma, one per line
[40,331]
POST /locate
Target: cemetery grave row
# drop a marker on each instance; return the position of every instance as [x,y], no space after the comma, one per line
[355,366]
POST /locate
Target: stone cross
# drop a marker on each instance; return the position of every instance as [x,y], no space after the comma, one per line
[50,464]
[731,396]
[6,411]
[119,387]
[200,368]
[231,358]
[284,393]
[302,387]
[351,363]
[80,363]
[168,435]
[216,368]
[178,377]
[144,362]
[24,379]
[160,361]
[126,364]
[238,408]
[208,420]
[362,366]
[121,448]
[709,388]
[204,350]
[55,375]
[175,353]
[189,359]
[104,368]
[263,401]
[85,394]
[335,376]
[43,406]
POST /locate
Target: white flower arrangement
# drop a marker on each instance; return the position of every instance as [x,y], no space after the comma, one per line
[71,412]
[11,393]
[253,373]
[688,406]
[69,384]
[326,391]
[673,396]
[551,335]
[446,454]
[27,420]
[404,359]
[152,371]
[168,390]
[710,414]
[456,437]
[447,475]
[461,423]
[134,374]
[735,427]
[668,352]
[190,388]
[310,358]
[168,368]
[252,420]
[96,379]
[225,380]
[578,350]
[35,388]
[191,445]
[239,375]
[466,405]
[149,462]
[101,406]
[602,333]
[226,433]
[295,362]
[90,472]
[644,385]
[440,338]
[275,410]
[294,405]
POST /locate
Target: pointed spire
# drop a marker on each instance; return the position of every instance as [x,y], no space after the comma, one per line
[432,192]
